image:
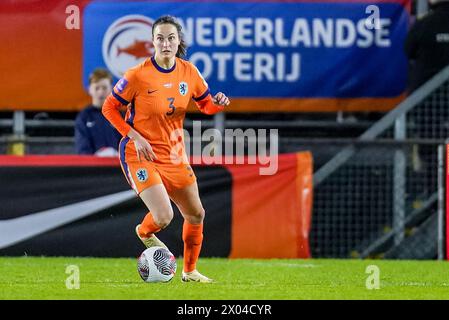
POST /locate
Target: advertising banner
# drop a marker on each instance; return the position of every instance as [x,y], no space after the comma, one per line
[64,205]
[267,56]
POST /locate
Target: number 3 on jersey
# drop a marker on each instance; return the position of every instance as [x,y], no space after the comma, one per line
[171,106]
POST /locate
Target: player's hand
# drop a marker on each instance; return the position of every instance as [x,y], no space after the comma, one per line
[221,99]
[142,146]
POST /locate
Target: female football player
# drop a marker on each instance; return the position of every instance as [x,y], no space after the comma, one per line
[152,152]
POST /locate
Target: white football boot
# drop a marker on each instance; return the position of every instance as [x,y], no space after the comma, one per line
[152,241]
[195,276]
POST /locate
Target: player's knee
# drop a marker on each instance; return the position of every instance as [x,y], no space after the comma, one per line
[198,216]
[164,219]
[201,214]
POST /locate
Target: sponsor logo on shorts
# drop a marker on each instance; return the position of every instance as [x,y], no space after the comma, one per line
[142,175]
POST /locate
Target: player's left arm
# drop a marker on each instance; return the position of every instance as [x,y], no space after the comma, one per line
[202,97]
[212,105]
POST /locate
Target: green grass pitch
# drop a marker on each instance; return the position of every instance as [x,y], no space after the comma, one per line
[242,279]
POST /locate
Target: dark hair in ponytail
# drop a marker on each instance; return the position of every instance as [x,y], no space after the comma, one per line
[182,49]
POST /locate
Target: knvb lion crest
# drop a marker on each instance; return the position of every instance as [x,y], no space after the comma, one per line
[142,175]
[183,88]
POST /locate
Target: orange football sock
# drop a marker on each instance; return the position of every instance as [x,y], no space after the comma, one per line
[148,226]
[192,235]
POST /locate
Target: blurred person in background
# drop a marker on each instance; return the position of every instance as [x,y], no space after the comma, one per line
[93,133]
[427,44]
[427,49]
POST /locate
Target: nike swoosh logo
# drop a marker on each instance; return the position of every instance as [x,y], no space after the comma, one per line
[150,92]
[16,230]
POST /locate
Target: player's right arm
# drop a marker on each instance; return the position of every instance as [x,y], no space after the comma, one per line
[142,146]
[124,92]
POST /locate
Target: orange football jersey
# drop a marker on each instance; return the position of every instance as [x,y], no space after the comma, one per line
[157,100]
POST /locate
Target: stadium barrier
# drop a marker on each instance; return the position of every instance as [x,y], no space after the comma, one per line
[377,197]
[445,161]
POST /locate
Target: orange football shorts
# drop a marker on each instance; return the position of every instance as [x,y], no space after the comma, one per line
[144,174]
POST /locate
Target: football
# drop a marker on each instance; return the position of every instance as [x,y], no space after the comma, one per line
[156,264]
